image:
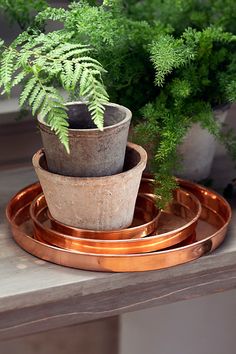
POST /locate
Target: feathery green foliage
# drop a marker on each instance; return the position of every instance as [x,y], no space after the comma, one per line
[181,14]
[203,61]
[192,71]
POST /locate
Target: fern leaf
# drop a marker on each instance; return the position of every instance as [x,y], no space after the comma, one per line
[97,114]
[58,121]
[54,14]
[77,75]
[7,69]
[24,58]
[74,53]
[21,39]
[67,47]
[93,63]
[50,106]
[67,75]
[38,102]
[19,78]
[44,110]
[27,90]
[84,81]
[36,90]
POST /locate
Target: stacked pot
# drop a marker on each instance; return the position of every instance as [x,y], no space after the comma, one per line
[95,187]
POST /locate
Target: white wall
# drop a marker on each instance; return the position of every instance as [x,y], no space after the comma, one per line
[201,326]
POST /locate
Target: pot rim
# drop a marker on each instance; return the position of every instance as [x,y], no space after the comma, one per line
[140,166]
[126,111]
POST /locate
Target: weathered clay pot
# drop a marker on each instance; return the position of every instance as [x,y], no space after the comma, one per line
[95,203]
[93,153]
[198,149]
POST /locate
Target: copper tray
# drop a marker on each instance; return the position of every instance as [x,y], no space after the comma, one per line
[145,221]
[175,225]
[210,232]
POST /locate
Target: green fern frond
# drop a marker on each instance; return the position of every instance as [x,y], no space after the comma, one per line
[38,101]
[93,90]
[27,90]
[7,69]
[66,48]
[34,94]
[76,76]
[23,39]
[58,120]
[67,75]
[54,14]
[19,78]
[44,109]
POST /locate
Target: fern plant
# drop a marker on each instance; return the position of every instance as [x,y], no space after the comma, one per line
[46,62]
[121,46]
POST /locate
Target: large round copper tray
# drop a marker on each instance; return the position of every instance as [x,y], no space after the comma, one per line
[175,225]
[210,233]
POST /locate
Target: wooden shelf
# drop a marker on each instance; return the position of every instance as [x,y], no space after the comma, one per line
[36,296]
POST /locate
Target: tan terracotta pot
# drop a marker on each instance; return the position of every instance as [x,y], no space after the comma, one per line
[95,203]
[93,153]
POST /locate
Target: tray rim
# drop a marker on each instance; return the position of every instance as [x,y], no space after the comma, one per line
[137,255]
[143,239]
[115,232]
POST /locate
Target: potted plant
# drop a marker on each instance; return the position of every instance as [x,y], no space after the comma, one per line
[120,43]
[45,63]
[127,48]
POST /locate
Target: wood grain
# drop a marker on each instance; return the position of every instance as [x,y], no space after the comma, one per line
[36,296]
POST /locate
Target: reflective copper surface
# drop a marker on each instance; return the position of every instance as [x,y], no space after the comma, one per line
[145,222]
[210,232]
[176,224]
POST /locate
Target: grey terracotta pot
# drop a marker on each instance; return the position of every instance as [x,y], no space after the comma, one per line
[93,153]
[198,149]
[95,203]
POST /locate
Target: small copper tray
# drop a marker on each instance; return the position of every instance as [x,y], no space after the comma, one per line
[145,221]
[175,225]
[210,232]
